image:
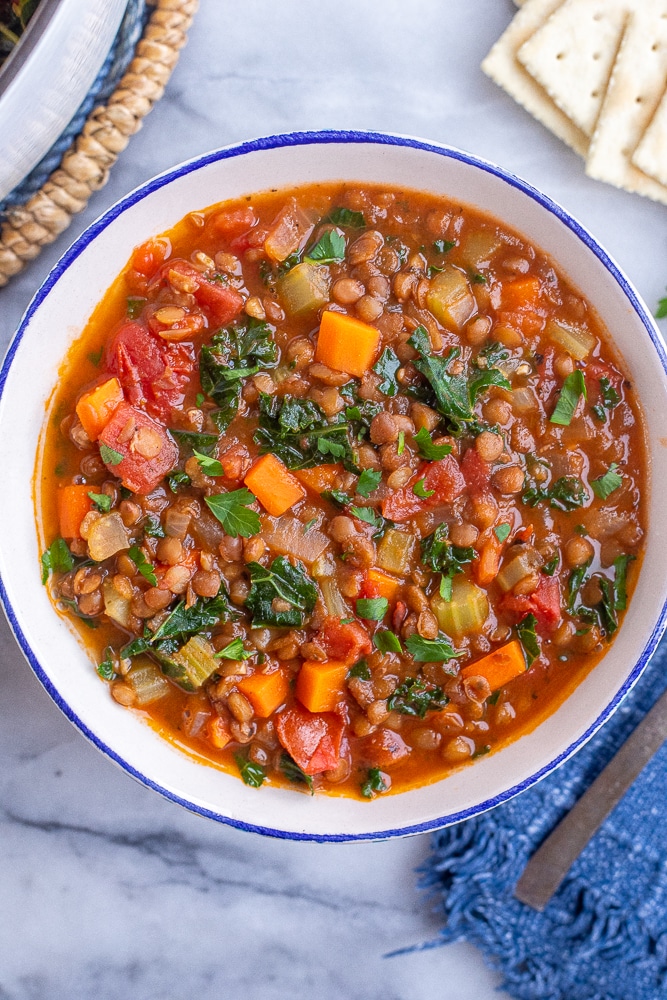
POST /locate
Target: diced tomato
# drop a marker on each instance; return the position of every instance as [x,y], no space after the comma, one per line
[148,257]
[443,480]
[544,603]
[384,748]
[230,224]
[369,589]
[148,451]
[476,471]
[528,321]
[312,739]
[151,372]
[346,642]
[223,302]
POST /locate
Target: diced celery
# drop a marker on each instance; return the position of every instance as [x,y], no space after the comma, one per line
[192,664]
[305,288]
[576,340]
[395,551]
[147,683]
[477,249]
[467,611]
[518,568]
[450,298]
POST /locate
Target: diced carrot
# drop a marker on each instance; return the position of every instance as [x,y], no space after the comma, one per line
[500,666]
[524,293]
[273,485]
[487,566]
[265,692]
[346,344]
[218,732]
[73,504]
[321,478]
[320,686]
[385,585]
[95,408]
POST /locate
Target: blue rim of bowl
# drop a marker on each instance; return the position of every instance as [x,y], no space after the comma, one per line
[323,138]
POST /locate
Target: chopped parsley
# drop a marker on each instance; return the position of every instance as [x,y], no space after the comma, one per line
[102,502]
[329,248]
[234,651]
[372,608]
[232,510]
[56,559]
[360,670]
[574,389]
[431,452]
[208,465]
[607,484]
[419,489]
[339,216]
[144,567]
[609,399]
[109,456]
[502,532]
[387,642]
[438,650]
[368,482]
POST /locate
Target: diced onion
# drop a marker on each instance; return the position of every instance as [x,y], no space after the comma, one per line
[333,598]
[115,605]
[286,536]
[107,536]
[518,568]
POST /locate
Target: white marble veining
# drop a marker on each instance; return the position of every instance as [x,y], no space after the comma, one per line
[106,890]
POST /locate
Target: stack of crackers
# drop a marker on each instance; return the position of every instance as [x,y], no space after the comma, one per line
[595,73]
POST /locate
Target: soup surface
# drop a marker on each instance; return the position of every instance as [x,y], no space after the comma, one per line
[343,487]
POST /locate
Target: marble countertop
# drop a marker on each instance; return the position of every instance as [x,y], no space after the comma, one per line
[107,890]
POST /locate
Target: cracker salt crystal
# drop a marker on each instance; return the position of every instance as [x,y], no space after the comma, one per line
[502,65]
[637,83]
[650,155]
[573,53]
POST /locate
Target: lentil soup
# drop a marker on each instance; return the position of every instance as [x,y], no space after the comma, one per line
[349,487]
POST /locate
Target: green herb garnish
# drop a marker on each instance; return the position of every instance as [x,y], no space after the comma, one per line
[56,559]
[102,502]
[419,489]
[253,774]
[431,452]
[502,532]
[368,482]
[329,248]
[234,651]
[208,465]
[144,567]
[109,456]
[567,493]
[438,650]
[387,642]
[574,389]
[232,510]
[528,639]
[372,608]
[360,670]
[293,772]
[605,485]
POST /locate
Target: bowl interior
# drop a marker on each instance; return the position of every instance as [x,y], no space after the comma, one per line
[60,311]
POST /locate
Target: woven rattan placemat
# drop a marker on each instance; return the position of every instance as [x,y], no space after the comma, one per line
[84,167]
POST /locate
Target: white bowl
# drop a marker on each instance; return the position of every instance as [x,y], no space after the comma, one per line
[47,76]
[59,312]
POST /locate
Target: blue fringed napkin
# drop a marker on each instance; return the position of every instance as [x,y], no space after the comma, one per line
[603,936]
